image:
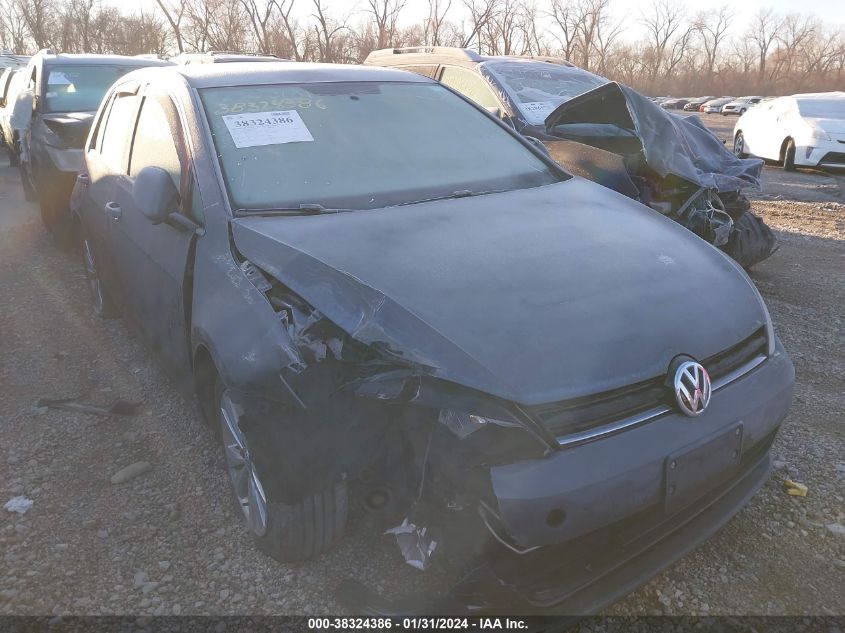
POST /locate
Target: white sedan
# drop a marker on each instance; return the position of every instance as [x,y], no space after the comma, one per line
[804,129]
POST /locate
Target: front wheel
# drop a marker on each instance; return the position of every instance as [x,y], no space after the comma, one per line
[789,156]
[739,146]
[285,531]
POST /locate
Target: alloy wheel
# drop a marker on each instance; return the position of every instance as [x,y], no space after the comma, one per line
[242,474]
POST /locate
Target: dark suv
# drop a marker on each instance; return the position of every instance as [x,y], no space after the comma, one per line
[65,92]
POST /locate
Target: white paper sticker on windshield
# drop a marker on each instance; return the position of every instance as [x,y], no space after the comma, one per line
[537,110]
[267,128]
[58,79]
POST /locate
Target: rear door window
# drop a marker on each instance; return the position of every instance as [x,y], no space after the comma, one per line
[154,145]
[470,85]
[117,135]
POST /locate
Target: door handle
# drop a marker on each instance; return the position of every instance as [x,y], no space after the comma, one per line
[114,210]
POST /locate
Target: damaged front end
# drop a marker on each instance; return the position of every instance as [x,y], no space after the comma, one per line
[415,451]
[673,164]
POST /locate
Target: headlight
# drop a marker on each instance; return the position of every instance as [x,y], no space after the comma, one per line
[818,133]
[463,424]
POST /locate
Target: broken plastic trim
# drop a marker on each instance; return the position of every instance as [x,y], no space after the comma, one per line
[415,543]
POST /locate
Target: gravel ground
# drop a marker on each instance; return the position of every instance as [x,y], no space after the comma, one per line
[168,542]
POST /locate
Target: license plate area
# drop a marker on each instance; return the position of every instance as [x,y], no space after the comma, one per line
[696,470]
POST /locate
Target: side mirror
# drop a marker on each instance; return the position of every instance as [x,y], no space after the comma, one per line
[155,194]
[22,110]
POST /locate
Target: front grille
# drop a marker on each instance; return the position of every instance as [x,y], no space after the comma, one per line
[836,158]
[582,414]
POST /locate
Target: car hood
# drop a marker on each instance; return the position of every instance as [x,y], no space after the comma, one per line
[536,295]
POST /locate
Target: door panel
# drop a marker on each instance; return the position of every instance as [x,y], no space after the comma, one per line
[106,160]
[153,257]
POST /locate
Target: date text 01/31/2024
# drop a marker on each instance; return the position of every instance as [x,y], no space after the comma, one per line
[418,624]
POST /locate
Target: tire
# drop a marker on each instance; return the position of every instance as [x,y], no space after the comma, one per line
[286,532]
[789,156]
[13,155]
[739,146]
[101,302]
[742,111]
[52,211]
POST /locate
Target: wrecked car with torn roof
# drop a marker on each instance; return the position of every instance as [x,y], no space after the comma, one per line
[531,378]
[673,164]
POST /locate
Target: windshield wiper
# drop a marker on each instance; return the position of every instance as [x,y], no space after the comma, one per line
[462,193]
[302,209]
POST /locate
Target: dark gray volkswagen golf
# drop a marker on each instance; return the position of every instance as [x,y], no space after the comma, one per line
[386,301]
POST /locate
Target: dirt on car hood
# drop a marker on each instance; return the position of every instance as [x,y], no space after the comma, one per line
[535,295]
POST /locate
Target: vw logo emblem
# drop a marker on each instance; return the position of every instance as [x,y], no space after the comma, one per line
[692,388]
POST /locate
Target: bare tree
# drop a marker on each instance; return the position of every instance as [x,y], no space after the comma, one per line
[501,33]
[662,22]
[12,27]
[385,14]
[595,30]
[480,12]
[293,38]
[566,18]
[765,27]
[328,31]
[533,38]
[433,26]
[260,14]
[711,28]
[173,11]
[38,16]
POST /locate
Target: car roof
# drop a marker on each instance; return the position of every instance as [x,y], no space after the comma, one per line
[250,73]
[88,58]
[226,56]
[820,96]
[446,54]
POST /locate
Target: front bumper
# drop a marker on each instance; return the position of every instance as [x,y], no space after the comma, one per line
[626,472]
[617,523]
[821,153]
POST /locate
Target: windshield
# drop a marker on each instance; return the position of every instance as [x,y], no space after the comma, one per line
[77,88]
[537,88]
[822,108]
[361,145]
